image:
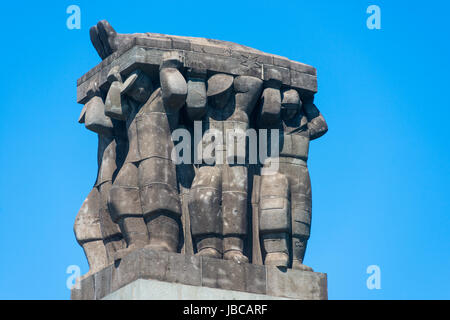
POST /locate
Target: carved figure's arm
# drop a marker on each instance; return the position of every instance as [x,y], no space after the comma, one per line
[116,105]
[94,117]
[317,126]
[173,84]
[196,99]
[271,101]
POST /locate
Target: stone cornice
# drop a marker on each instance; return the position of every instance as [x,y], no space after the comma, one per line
[212,55]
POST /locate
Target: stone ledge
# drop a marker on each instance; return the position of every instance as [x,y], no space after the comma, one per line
[147,53]
[202,272]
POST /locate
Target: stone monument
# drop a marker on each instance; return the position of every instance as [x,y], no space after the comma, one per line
[202,189]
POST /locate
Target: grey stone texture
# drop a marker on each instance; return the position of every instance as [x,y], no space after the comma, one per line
[128,51]
[94,229]
[157,290]
[220,211]
[168,269]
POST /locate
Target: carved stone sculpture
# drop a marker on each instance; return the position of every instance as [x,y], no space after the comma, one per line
[99,236]
[285,197]
[149,90]
[144,199]
[219,192]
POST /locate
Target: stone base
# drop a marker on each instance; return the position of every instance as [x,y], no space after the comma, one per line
[159,290]
[152,275]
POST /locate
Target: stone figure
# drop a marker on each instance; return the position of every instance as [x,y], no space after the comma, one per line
[285,196]
[218,203]
[195,108]
[144,199]
[99,236]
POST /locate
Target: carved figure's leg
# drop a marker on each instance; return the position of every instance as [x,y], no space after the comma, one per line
[275,219]
[205,211]
[185,176]
[88,232]
[160,202]
[301,213]
[112,237]
[125,207]
[234,207]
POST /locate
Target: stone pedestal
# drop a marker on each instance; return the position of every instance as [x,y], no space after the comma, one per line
[152,275]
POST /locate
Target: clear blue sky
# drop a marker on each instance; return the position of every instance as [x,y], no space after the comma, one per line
[380,176]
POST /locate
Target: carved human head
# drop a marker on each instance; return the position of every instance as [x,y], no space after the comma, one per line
[291,104]
[140,87]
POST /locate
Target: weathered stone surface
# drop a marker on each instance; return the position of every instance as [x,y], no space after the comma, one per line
[95,118]
[255,278]
[137,55]
[173,84]
[125,271]
[196,93]
[270,106]
[102,282]
[219,202]
[184,269]
[88,232]
[303,81]
[223,274]
[296,284]
[274,204]
[86,289]
[150,202]
[152,264]
[169,269]
[128,51]
[157,290]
